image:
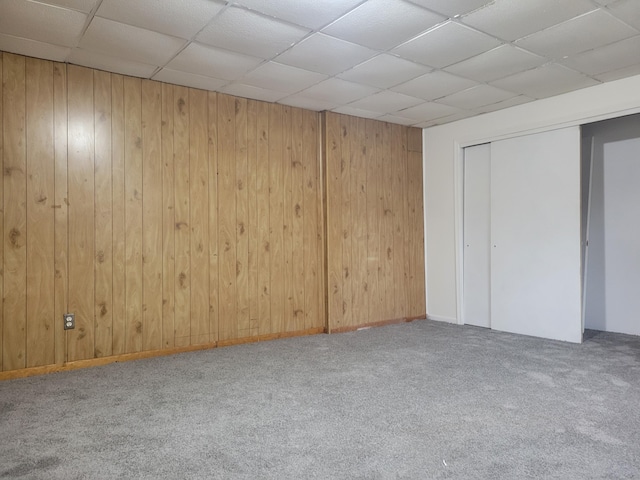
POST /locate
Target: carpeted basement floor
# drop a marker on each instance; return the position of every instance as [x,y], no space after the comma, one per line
[422,400]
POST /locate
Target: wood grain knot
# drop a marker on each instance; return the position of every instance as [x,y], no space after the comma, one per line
[14,237]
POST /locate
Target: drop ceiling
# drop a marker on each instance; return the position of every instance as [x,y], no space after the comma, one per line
[413,62]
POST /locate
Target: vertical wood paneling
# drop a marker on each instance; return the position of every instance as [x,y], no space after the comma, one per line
[228,326]
[152,210]
[297,219]
[242,219]
[333,154]
[61,209]
[14,304]
[276,216]
[81,212]
[119,316]
[252,227]
[264,250]
[40,215]
[373,181]
[386,234]
[374,231]
[168,219]
[1,208]
[346,229]
[288,212]
[399,201]
[133,212]
[182,227]
[359,172]
[214,282]
[161,216]
[313,241]
[199,216]
[103,310]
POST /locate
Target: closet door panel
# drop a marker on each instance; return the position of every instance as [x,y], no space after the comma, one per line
[535,235]
[477,233]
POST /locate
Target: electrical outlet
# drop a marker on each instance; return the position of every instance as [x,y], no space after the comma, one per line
[69,321]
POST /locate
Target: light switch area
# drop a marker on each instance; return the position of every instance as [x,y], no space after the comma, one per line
[69,321]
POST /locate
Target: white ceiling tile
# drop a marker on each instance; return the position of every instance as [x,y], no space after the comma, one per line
[132,43]
[606,59]
[308,13]
[604,2]
[546,81]
[249,91]
[281,78]
[428,111]
[476,97]
[446,44]
[591,30]
[213,62]
[448,119]
[384,71]
[324,54]
[511,102]
[497,63]
[513,19]
[434,85]
[301,101]
[356,112]
[396,119]
[81,5]
[165,16]
[250,33]
[111,64]
[386,102]
[41,22]
[618,74]
[628,11]
[451,8]
[366,25]
[337,91]
[189,79]
[32,48]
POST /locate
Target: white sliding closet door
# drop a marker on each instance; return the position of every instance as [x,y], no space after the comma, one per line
[477,236]
[535,235]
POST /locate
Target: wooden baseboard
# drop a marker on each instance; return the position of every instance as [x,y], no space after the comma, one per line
[96,362]
[381,323]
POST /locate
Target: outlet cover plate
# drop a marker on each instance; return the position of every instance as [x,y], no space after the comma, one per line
[69,321]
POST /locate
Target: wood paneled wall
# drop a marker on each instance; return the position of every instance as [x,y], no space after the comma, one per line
[167,217]
[375,235]
[162,216]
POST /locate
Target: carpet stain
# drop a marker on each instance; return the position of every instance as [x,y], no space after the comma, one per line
[27,468]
